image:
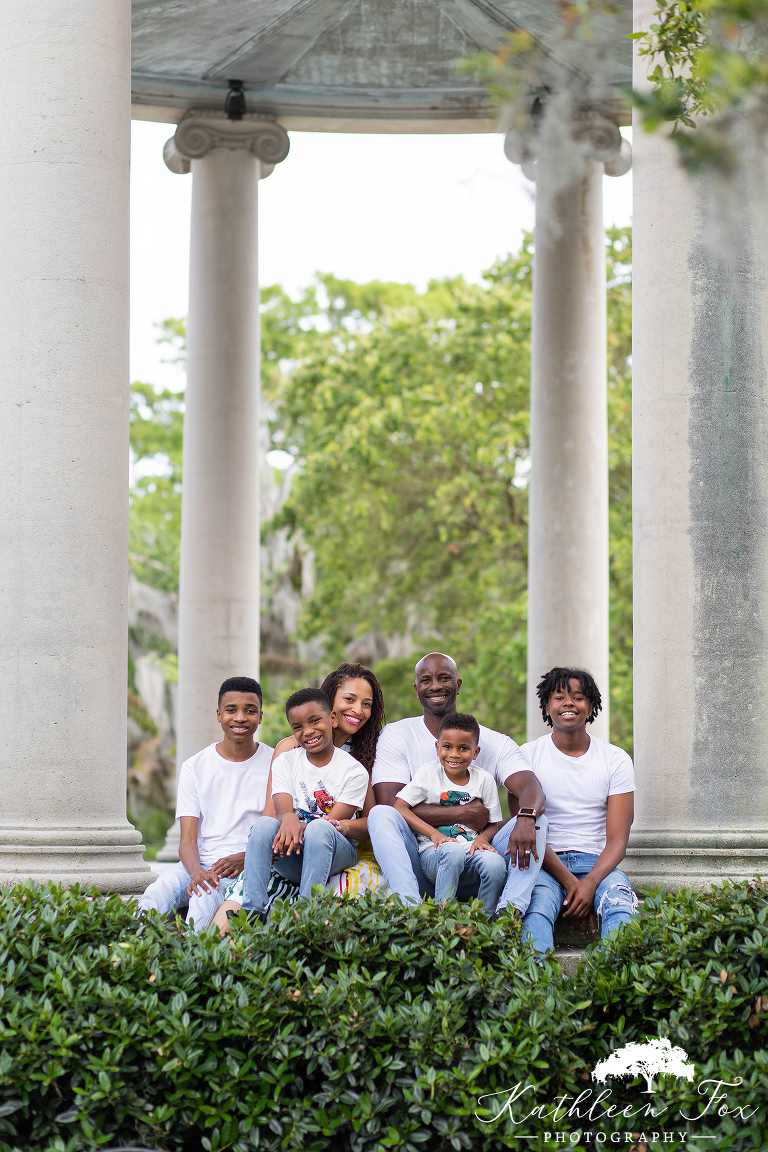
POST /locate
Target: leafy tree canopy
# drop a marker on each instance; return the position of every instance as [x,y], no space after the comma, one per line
[407,416]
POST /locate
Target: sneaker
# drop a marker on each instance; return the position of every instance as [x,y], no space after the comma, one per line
[252,916]
[506,911]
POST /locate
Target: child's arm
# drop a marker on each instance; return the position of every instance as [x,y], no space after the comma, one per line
[417,825]
[482,842]
[291,831]
[287,744]
[554,865]
[353,829]
[558,871]
[269,806]
[190,857]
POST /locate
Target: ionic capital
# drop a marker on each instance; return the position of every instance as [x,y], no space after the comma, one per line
[593,135]
[200,131]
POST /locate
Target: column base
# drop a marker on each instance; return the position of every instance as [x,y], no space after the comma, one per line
[695,858]
[169,853]
[108,858]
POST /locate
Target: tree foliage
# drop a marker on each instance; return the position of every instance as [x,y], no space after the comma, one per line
[157,418]
[412,436]
[407,417]
[710,79]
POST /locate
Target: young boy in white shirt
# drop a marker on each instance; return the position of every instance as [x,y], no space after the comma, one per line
[221,791]
[589,785]
[452,853]
[312,786]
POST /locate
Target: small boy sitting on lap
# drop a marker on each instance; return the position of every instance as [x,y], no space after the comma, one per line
[452,853]
[312,786]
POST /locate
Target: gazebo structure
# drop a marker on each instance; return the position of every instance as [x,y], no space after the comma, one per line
[356,66]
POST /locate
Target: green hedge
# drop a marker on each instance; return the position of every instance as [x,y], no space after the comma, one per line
[357,1026]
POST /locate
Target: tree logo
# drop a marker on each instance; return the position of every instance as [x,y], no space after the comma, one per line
[653,1058]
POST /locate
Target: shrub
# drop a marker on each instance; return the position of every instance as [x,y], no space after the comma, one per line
[346,1025]
[360,1025]
[692,968]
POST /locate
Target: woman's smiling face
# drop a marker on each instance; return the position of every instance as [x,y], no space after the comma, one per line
[352,704]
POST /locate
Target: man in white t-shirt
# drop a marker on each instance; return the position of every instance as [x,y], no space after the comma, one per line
[407,744]
[314,787]
[590,788]
[222,791]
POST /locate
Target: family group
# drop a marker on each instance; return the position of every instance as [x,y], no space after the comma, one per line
[411,808]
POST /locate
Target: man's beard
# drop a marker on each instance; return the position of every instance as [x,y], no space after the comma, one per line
[438,707]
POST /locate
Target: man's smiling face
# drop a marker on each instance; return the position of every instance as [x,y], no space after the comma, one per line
[437,684]
[569,708]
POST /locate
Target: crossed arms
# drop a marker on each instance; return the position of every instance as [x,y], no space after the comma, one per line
[522,785]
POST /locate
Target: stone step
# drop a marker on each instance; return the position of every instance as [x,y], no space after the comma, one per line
[569,960]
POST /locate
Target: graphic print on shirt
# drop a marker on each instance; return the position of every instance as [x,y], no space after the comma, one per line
[451,798]
[318,805]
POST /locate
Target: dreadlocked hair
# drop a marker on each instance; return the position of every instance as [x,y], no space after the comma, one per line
[557,680]
[363,743]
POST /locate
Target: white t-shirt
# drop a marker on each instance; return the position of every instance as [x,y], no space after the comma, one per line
[407,744]
[577,790]
[225,796]
[343,780]
[431,784]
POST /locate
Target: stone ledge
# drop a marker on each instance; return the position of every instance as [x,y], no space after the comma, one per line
[569,960]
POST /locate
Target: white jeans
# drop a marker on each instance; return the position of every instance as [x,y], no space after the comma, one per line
[169,891]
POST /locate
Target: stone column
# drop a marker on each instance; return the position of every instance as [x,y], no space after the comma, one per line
[700,484]
[219,576]
[65,80]
[568,501]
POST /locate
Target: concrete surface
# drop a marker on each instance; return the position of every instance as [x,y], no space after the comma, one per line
[700,492]
[568,504]
[219,568]
[65,82]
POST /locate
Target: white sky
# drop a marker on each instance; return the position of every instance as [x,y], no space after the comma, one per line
[409,208]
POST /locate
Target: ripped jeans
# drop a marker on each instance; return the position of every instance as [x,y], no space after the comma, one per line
[614,900]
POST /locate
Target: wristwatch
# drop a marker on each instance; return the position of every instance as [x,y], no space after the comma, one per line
[527,812]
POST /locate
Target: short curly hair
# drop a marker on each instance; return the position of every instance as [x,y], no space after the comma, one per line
[462,722]
[558,680]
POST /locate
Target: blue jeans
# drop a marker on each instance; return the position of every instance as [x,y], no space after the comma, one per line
[397,852]
[169,891]
[614,902]
[449,863]
[324,853]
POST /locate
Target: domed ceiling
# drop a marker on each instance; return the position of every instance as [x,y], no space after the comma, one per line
[386,60]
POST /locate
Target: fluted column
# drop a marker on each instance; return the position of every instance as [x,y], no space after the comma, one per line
[65,82]
[700,514]
[219,575]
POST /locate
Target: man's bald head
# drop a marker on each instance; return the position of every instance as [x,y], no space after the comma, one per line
[440,656]
[437,683]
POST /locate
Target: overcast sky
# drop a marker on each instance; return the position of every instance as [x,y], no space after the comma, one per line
[383,207]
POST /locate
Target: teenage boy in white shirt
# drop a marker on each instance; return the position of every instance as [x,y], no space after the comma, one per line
[313,786]
[455,851]
[590,786]
[221,791]
[407,744]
